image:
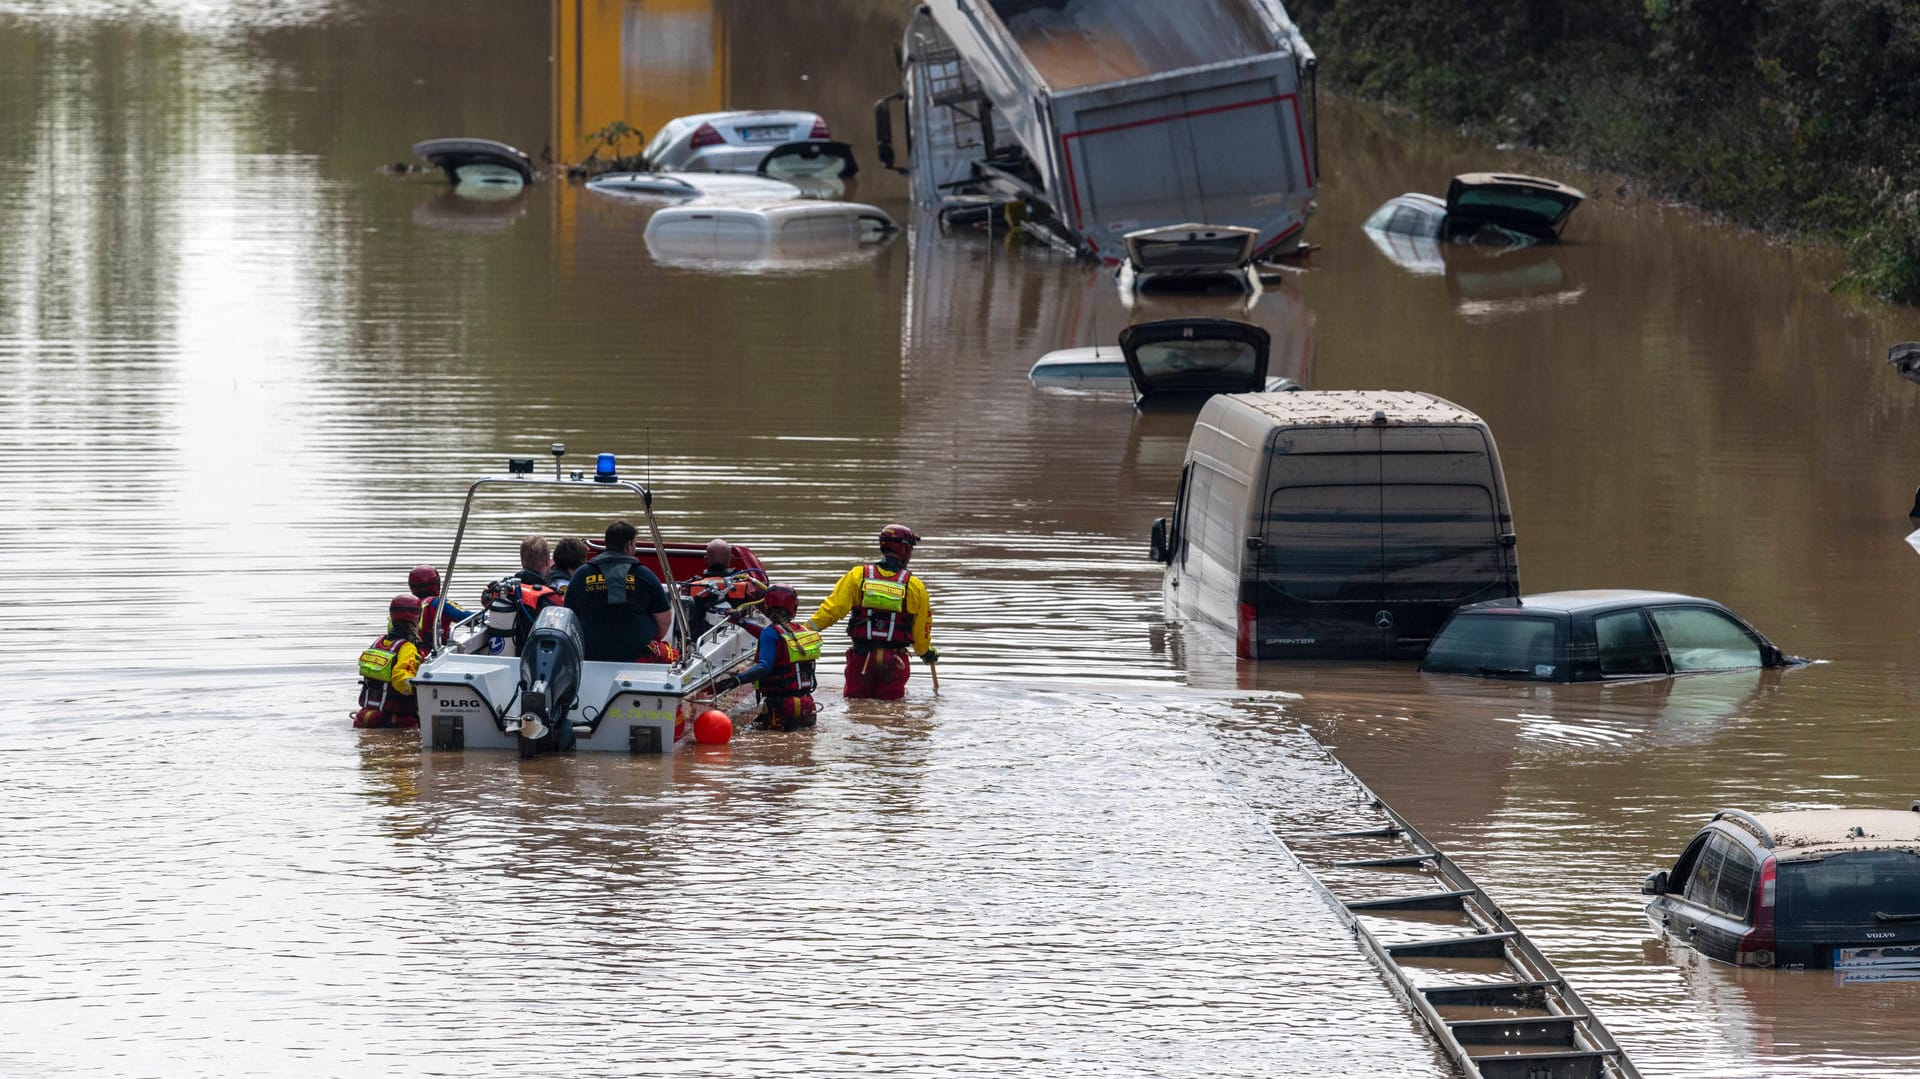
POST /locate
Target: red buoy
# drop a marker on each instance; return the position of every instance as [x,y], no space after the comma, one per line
[712,728]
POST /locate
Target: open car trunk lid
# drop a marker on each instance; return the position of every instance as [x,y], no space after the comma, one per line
[809,159]
[1191,249]
[1529,204]
[1195,357]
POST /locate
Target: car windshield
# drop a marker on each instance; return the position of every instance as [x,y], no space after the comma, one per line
[1852,888]
[1498,645]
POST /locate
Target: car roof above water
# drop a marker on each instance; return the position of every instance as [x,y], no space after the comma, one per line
[1250,417]
[1585,599]
[1808,832]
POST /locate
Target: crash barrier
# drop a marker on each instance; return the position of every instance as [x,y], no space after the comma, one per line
[1451,952]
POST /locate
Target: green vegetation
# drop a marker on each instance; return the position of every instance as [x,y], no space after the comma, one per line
[609,139]
[1785,114]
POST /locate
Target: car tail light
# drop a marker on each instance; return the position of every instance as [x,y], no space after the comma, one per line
[819,129]
[705,135]
[1243,645]
[1757,944]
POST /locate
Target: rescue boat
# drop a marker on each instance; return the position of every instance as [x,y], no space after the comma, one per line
[481,690]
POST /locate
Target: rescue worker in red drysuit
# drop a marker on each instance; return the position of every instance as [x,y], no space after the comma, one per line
[891,613]
[437,616]
[784,666]
[388,667]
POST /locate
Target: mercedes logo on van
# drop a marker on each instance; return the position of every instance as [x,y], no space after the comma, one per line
[1383,619]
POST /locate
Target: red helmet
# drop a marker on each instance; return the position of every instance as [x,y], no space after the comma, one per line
[405,609]
[424,581]
[898,541]
[781,598]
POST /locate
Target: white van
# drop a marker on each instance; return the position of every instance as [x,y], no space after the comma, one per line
[1336,524]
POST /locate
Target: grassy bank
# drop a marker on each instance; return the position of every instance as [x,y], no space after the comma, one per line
[1787,115]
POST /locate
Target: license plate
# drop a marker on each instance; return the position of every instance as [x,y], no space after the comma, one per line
[1878,957]
[764,134]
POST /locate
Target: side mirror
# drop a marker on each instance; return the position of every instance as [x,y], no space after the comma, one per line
[1656,884]
[1157,542]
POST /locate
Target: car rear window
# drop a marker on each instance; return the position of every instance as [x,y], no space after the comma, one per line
[1504,645]
[1851,888]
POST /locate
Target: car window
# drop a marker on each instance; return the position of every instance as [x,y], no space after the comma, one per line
[1706,872]
[1224,506]
[1440,544]
[1177,535]
[1508,645]
[1734,889]
[1626,644]
[1200,361]
[1699,639]
[1323,542]
[1850,888]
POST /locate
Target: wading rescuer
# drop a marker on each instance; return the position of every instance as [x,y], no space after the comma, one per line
[437,616]
[387,670]
[624,612]
[891,613]
[784,666]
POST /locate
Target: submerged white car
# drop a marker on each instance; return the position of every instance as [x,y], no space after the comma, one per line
[803,234]
[785,144]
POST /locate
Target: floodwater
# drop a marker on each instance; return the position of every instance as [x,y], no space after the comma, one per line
[248,376]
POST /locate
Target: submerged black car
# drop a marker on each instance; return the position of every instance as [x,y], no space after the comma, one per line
[1813,888]
[1596,635]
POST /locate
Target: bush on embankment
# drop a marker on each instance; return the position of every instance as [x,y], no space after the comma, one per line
[1785,114]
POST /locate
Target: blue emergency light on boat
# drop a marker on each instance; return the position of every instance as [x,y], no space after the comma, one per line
[603,471]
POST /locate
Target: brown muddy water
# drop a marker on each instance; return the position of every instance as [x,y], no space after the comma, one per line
[247,377]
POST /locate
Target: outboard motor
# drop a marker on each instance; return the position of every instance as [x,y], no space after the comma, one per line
[550,681]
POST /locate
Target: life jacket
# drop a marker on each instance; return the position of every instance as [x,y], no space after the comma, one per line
[794,655]
[433,612]
[880,618]
[615,568]
[378,665]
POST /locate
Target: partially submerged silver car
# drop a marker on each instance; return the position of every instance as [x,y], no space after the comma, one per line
[1525,206]
[1172,361]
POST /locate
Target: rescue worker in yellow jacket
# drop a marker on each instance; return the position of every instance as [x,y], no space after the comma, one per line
[388,667]
[891,612]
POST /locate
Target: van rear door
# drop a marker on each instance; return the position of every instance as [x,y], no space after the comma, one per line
[1372,536]
[1442,529]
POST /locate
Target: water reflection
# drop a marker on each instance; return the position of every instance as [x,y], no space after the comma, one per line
[1483,283]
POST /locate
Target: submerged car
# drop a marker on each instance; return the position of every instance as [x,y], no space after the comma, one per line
[1810,888]
[1531,208]
[1190,257]
[804,233]
[1592,636]
[1176,360]
[784,144]
[687,186]
[474,165]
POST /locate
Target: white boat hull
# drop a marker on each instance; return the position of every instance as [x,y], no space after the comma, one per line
[467,701]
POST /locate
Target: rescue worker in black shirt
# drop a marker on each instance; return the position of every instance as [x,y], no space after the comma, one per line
[624,612]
